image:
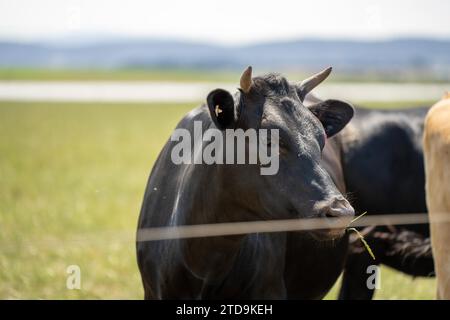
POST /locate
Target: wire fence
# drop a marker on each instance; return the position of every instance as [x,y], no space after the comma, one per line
[268,226]
[230,229]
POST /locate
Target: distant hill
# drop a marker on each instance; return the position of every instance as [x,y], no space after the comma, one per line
[423,55]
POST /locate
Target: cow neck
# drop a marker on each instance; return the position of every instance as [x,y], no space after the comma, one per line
[210,257]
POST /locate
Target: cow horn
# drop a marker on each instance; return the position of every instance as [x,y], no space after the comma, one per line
[308,84]
[246,80]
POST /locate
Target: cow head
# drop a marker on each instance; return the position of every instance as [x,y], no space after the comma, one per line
[301,188]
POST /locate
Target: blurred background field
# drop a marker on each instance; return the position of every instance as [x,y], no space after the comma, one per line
[146,74]
[72,179]
[193,75]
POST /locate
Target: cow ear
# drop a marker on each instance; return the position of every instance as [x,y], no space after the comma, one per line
[221,107]
[333,114]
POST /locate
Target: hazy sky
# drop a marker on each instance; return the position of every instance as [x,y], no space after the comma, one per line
[227,21]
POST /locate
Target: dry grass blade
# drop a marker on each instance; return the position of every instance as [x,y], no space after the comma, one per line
[364,242]
[361,215]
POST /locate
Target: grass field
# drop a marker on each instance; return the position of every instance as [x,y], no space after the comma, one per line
[193,75]
[117,75]
[72,178]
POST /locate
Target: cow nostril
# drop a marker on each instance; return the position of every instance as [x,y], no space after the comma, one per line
[332,212]
[340,209]
[339,212]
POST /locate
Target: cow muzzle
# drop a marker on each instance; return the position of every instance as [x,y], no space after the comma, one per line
[339,212]
[339,208]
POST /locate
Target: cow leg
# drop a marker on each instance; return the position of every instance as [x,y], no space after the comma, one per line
[354,280]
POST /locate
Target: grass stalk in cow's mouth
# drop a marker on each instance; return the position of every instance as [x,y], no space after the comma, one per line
[361,237]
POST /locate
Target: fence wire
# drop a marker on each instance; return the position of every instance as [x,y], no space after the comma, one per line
[267,226]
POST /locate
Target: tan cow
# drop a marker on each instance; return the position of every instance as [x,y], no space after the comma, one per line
[437,169]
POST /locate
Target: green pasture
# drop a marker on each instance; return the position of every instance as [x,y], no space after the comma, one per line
[197,75]
[72,177]
[181,75]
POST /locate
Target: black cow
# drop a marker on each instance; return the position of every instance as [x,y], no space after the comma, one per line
[282,265]
[383,166]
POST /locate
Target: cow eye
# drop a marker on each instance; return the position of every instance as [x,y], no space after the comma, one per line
[283,147]
[281,144]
